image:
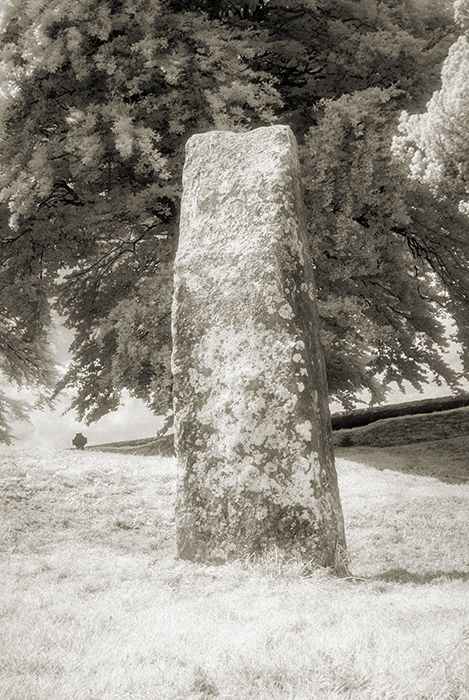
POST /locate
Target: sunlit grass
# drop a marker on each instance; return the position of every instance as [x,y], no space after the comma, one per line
[404,523]
[94,605]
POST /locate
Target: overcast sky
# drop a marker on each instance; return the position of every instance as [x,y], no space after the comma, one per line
[51,430]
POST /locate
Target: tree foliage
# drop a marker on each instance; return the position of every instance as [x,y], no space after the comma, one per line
[11,411]
[433,147]
[102,98]
[376,301]
[98,100]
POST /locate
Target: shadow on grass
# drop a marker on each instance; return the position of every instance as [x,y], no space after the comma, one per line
[404,576]
[445,460]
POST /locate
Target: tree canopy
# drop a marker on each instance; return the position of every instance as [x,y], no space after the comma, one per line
[434,148]
[97,100]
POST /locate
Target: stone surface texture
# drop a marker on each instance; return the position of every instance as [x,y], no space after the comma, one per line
[252,426]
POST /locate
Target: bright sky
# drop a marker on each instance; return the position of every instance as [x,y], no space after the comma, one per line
[51,430]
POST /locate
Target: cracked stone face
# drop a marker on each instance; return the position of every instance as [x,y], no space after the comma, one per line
[252,426]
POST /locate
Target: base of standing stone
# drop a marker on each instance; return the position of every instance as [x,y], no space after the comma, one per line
[252,427]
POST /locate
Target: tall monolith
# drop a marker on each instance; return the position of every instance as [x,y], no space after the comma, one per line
[252,426]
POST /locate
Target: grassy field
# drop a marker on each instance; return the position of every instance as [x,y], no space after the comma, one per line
[94,605]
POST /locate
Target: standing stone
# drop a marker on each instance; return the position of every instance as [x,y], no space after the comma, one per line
[252,425]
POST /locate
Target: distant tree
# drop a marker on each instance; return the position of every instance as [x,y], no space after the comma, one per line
[98,98]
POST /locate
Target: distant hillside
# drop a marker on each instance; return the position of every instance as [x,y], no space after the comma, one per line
[365,416]
[384,426]
[163,445]
[405,430]
[431,444]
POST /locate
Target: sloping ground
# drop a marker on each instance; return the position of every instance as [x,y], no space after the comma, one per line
[163,445]
[365,416]
[381,426]
[435,445]
[446,460]
[407,429]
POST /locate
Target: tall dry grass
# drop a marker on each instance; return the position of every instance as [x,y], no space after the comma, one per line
[94,605]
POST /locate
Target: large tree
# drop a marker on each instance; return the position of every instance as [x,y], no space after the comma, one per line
[97,101]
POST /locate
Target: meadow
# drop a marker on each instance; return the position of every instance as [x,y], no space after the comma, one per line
[95,606]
